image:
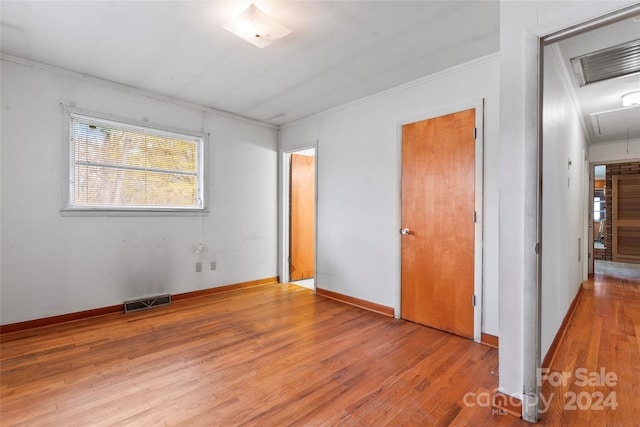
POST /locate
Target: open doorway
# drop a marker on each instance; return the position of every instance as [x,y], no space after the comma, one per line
[599,216]
[616,215]
[300,228]
[585,125]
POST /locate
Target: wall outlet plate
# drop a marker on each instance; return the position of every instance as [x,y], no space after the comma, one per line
[198,267]
[213,265]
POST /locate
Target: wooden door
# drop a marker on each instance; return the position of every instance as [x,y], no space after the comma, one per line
[626,218]
[302,220]
[438,203]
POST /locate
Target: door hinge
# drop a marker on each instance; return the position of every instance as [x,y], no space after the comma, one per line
[289,259]
[475,133]
[475,216]
[537,248]
[474,301]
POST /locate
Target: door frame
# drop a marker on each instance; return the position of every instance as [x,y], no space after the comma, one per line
[537,38]
[285,213]
[611,160]
[478,269]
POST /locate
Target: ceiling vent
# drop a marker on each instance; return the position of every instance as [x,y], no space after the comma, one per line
[611,122]
[609,63]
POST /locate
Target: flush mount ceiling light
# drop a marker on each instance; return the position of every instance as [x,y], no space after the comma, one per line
[257,28]
[631,99]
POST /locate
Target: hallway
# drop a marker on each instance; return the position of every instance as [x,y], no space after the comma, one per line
[600,356]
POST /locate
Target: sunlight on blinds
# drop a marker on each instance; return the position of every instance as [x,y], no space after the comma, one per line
[117,165]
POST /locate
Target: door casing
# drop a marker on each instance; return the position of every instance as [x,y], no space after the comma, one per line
[284,232]
[478,105]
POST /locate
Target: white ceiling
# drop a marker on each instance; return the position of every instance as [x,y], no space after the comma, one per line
[601,103]
[339,51]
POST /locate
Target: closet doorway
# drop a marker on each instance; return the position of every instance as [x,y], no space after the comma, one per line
[302,219]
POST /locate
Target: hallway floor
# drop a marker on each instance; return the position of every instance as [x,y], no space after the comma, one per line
[621,270]
[600,355]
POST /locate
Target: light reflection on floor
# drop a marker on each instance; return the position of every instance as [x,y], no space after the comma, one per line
[623,270]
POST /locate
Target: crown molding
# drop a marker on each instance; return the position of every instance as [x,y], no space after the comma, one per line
[131,89]
[396,89]
[565,74]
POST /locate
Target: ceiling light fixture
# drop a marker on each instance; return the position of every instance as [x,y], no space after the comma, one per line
[631,99]
[257,28]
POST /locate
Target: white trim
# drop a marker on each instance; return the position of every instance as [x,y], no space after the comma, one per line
[284,235]
[405,86]
[191,105]
[616,141]
[566,81]
[478,280]
[131,89]
[133,213]
[596,16]
[613,162]
[479,228]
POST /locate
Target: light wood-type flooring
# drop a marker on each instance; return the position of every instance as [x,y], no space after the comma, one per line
[278,355]
[271,355]
[600,357]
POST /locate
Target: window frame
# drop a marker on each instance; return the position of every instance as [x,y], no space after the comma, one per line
[68,169]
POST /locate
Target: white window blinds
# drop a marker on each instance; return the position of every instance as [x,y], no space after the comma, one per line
[120,166]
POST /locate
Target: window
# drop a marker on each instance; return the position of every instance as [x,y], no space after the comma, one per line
[599,204]
[596,208]
[119,166]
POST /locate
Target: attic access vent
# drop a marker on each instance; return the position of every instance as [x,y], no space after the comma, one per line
[609,63]
[145,303]
[613,121]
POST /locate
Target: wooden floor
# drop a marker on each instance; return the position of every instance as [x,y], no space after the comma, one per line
[278,355]
[603,337]
[272,355]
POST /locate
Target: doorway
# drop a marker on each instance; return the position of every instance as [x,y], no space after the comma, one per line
[300,235]
[616,219]
[599,216]
[580,119]
[441,234]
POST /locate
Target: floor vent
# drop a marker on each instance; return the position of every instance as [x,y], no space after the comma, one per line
[146,303]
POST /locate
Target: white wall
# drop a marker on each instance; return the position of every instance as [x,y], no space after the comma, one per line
[565,194]
[54,264]
[359,182]
[521,24]
[616,151]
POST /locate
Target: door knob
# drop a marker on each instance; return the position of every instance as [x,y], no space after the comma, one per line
[405,231]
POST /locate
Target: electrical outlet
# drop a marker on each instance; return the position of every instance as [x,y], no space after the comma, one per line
[198,267]
[213,265]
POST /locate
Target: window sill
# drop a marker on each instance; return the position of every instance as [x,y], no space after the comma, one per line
[80,212]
